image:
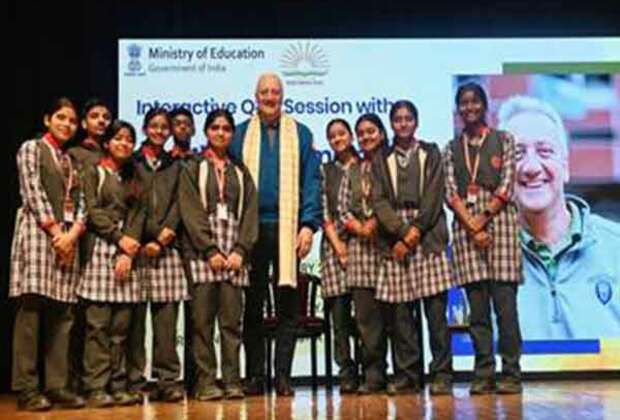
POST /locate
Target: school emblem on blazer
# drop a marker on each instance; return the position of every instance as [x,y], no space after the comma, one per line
[603,289]
[496,162]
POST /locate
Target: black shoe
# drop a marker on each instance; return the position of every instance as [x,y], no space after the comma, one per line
[63,398]
[441,387]
[348,386]
[33,401]
[154,394]
[99,399]
[367,389]
[141,386]
[254,386]
[402,388]
[209,393]
[509,386]
[171,394]
[124,398]
[138,397]
[233,392]
[284,387]
[482,387]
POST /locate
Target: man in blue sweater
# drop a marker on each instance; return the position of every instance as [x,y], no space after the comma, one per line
[279,154]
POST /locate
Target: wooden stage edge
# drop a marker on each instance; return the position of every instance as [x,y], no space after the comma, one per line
[540,400]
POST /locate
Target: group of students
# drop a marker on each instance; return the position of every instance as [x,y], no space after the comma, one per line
[102,225]
[120,231]
[386,246]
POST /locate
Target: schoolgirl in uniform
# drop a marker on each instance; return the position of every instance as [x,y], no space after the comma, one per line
[336,188]
[163,282]
[220,211]
[44,261]
[479,168]
[363,255]
[408,200]
[109,287]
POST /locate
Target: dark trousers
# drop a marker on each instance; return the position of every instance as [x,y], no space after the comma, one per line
[189,366]
[166,363]
[371,328]
[166,367]
[287,309]
[107,326]
[57,320]
[76,349]
[504,298]
[136,351]
[400,326]
[440,340]
[344,330]
[224,302]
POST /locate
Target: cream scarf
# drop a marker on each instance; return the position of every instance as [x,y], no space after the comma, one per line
[288,189]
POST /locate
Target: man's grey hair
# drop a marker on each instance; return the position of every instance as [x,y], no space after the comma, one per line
[519,103]
[270,75]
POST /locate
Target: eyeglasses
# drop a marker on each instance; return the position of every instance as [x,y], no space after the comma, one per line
[179,123]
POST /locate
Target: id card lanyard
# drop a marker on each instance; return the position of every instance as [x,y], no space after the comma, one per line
[366,187]
[220,176]
[66,169]
[473,189]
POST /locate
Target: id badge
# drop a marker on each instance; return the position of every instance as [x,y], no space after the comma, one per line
[222,211]
[472,193]
[69,211]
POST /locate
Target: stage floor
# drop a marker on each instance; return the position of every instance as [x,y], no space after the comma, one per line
[554,400]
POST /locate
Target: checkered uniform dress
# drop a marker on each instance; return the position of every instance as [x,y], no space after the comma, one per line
[363,260]
[162,278]
[502,260]
[431,273]
[98,282]
[333,274]
[225,234]
[34,269]
[396,282]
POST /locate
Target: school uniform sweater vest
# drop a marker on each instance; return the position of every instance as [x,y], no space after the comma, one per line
[408,192]
[489,171]
[160,189]
[355,178]
[53,182]
[409,197]
[333,176]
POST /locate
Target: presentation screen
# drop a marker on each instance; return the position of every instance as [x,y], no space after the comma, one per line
[569,303]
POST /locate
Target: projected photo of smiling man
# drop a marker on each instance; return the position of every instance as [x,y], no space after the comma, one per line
[571,272]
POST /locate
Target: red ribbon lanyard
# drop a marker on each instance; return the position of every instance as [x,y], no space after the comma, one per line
[473,169]
[220,172]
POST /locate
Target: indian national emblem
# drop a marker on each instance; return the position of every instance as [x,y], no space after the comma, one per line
[134,51]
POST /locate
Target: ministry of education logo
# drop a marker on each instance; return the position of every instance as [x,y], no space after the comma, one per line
[134,67]
[304,64]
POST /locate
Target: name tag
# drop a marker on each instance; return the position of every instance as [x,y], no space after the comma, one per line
[222,211]
[472,193]
[69,211]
